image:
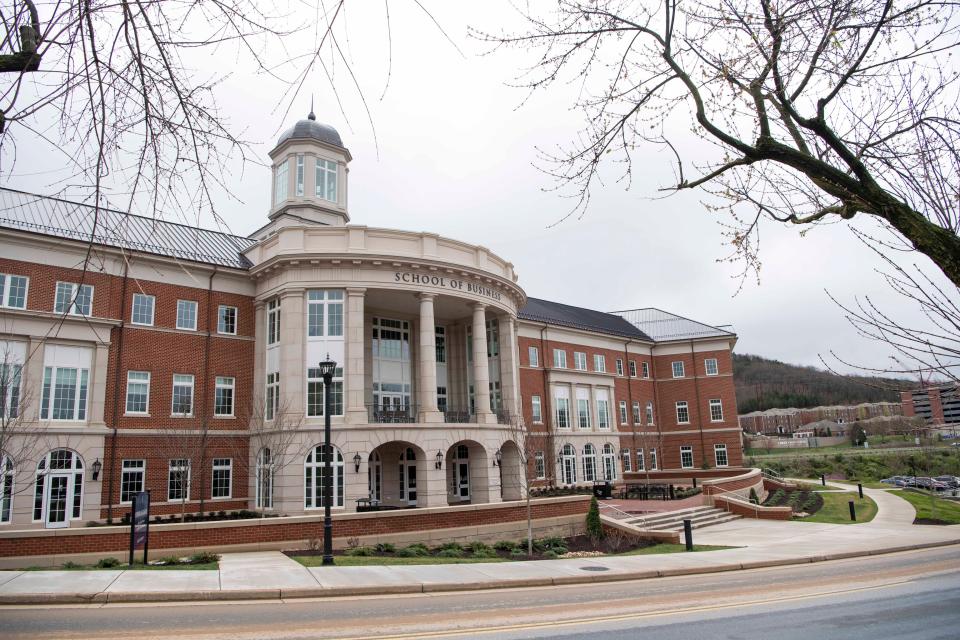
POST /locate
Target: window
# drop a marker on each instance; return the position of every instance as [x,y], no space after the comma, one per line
[273,322]
[182,395]
[653,458]
[10,376]
[313,478]
[636,412]
[716,411]
[720,454]
[64,393]
[327,180]
[6,488]
[493,338]
[609,460]
[315,398]
[142,309]
[683,412]
[178,480]
[678,369]
[223,397]
[442,399]
[625,460]
[299,181]
[645,369]
[535,409]
[273,395]
[579,361]
[138,392]
[589,463]
[710,365]
[73,299]
[599,363]
[533,355]
[603,413]
[650,413]
[440,343]
[13,291]
[280,174]
[325,313]
[539,466]
[227,320]
[623,412]
[60,471]
[640,461]
[264,498]
[568,464]
[187,315]
[563,412]
[131,479]
[619,367]
[583,413]
[686,457]
[633,368]
[559,358]
[222,478]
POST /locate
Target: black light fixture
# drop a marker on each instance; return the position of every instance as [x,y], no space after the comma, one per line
[356,462]
[96,468]
[439,459]
[497,458]
[327,367]
[560,456]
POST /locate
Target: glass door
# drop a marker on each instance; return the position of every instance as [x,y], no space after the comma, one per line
[57,495]
[462,471]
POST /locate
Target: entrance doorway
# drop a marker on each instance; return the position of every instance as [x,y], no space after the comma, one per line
[461,473]
[408,477]
[58,489]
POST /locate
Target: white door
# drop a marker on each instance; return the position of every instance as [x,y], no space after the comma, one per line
[58,501]
[461,466]
[408,477]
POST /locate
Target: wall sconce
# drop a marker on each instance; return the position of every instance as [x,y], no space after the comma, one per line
[96,468]
[497,458]
[356,462]
[560,456]
[439,459]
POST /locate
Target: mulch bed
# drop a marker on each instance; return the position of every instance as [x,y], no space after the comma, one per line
[930,521]
[799,500]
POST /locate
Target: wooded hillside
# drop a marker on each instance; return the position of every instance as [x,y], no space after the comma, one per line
[765,384]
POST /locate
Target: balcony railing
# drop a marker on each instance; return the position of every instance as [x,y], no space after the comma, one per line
[455,416]
[392,414]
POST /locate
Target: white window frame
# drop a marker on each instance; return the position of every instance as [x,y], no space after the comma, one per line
[640,461]
[651,419]
[317,409]
[281,179]
[533,356]
[272,395]
[686,449]
[562,408]
[183,305]
[536,409]
[560,358]
[625,461]
[619,365]
[81,399]
[583,413]
[173,394]
[636,412]
[221,464]
[126,401]
[224,383]
[539,466]
[135,468]
[327,305]
[273,322]
[221,322]
[69,305]
[11,383]
[6,287]
[644,370]
[632,368]
[603,413]
[580,360]
[715,366]
[677,369]
[685,406]
[143,298]
[624,416]
[178,469]
[326,171]
[299,176]
[599,363]
[716,410]
[653,459]
[719,449]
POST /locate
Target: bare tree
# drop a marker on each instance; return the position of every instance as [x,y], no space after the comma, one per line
[820,110]
[180,446]
[21,443]
[519,432]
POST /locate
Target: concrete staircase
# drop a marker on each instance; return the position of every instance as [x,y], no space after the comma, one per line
[673,520]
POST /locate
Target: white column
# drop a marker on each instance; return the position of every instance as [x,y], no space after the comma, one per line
[509,372]
[292,359]
[356,378]
[427,361]
[98,384]
[481,371]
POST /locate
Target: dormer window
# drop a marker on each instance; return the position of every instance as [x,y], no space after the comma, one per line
[327,180]
[280,182]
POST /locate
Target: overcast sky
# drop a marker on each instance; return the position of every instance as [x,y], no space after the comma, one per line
[455,155]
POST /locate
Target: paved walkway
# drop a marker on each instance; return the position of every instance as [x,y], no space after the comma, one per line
[266,575]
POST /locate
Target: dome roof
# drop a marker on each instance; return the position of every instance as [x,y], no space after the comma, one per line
[311,129]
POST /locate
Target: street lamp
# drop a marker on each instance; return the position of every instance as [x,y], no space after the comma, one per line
[327,368]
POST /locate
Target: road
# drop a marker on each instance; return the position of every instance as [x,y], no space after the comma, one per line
[914,594]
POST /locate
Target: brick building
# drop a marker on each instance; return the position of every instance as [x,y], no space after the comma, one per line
[936,405]
[139,354]
[786,422]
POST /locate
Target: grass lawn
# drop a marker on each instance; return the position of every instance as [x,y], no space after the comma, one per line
[207,566]
[932,508]
[878,485]
[836,511]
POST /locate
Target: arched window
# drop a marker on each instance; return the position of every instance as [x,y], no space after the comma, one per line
[313,478]
[589,463]
[6,488]
[609,462]
[264,479]
[568,462]
[58,490]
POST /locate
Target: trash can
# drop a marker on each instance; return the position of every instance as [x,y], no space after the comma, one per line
[602,489]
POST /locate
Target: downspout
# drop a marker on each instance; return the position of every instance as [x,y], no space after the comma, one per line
[657,412]
[117,380]
[696,389]
[205,409]
[630,420]
[546,410]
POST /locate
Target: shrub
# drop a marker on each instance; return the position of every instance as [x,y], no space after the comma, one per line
[407,552]
[359,551]
[594,526]
[385,547]
[71,565]
[413,551]
[753,496]
[479,548]
[505,545]
[518,553]
[203,557]
[550,554]
[450,553]
[107,563]
[451,546]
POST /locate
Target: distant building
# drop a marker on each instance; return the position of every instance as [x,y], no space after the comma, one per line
[936,405]
[790,420]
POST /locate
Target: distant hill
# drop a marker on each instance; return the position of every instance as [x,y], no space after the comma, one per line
[766,384]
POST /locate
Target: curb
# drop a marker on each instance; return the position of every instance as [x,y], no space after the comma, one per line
[104,597]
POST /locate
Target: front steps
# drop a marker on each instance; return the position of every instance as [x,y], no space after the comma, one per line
[700,517]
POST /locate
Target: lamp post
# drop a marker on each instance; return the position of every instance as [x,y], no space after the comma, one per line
[327,368]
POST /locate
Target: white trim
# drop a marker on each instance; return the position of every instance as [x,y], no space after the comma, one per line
[126,396]
[196,313]
[133,309]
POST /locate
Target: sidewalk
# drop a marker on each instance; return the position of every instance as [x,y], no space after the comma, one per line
[271,575]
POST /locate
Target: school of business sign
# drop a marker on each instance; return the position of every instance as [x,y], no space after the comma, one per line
[447,283]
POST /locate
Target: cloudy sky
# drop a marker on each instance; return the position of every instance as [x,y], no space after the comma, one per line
[455,154]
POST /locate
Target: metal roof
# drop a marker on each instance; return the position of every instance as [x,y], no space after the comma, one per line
[311,129]
[663,326]
[537,310]
[75,221]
